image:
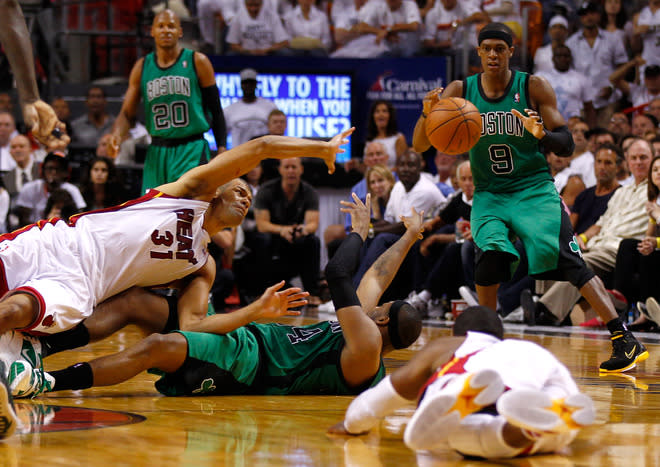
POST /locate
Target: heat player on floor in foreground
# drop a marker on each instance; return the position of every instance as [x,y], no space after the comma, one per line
[478,395]
[514,191]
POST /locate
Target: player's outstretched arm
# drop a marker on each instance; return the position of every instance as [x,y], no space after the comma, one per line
[274,303]
[379,276]
[202,182]
[128,111]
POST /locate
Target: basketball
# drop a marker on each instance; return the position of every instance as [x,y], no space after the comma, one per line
[453,125]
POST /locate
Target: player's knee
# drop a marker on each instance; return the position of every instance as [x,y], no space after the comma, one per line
[17,311]
[493,267]
[580,277]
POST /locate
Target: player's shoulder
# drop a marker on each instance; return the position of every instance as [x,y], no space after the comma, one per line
[454,89]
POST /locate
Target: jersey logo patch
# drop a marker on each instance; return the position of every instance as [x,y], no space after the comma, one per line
[48,321]
[516,97]
[208,385]
[575,248]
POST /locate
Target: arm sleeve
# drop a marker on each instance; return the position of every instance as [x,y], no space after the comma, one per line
[339,272]
[211,100]
[559,141]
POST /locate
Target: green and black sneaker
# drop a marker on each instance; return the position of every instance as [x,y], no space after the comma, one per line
[8,420]
[627,351]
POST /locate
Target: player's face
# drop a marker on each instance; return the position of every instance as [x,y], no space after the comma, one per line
[232,203]
[375,154]
[99,173]
[495,55]
[639,158]
[166,30]
[605,166]
[379,186]
[655,173]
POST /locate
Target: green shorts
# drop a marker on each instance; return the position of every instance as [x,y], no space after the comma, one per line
[216,365]
[533,215]
[166,164]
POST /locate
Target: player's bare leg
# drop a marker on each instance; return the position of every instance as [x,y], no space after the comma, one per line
[596,295]
[18,311]
[488,295]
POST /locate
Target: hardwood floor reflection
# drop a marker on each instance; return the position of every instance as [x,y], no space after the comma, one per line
[290,430]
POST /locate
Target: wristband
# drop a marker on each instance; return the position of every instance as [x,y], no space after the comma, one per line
[652,220]
[584,238]
[657,243]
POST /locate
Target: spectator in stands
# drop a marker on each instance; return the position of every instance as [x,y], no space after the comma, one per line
[99,185]
[639,93]
[439,270]
[276,125]
[88,128]
[7,132]
[60,204]
[558,32]
[625,217]
[382,126]
[248,117]
[619,125]
[288,211]
[178,144]
[615,21]
[643,124]
[257,30]
[308,29]
[26,170]
[582,160]
[647,29]
[654,108]
[222,249]
[559,169]
[445,168]
[597,54]
[399,21]
[411,191]
[637,269]
[353,37]
[592,202]
[63,112]
[504,11]
[6,105]
[574,91]
[32,199]
[655,142]
[380,182]
[213,14]
[449,27]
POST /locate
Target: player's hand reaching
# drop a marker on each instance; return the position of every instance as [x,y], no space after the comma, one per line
[360,214]
[336,144]
[414,222]
[113,145]
[275,302]
[45,126]
[430,99]
[532,122]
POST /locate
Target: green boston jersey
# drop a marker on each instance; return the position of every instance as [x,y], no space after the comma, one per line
[506,158]
[304,359]
[172,98]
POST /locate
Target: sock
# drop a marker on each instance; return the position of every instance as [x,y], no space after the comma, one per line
[66,340]
[616,325]
[425,295]
[78,376]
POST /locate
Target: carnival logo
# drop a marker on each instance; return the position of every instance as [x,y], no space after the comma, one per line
[389,86]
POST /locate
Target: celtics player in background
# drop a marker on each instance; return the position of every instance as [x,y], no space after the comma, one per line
[514,192]
[229,354]
[178,88]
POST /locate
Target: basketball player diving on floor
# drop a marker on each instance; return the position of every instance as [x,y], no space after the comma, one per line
[478,395]
[330,357]
[514,191]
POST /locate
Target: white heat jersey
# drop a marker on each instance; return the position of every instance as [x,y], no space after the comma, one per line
[520,364]
[72,267]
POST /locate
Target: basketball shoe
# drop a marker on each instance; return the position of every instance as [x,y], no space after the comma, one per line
[446,402]
[536,411]
[21,355]
[8,419]
[627,351]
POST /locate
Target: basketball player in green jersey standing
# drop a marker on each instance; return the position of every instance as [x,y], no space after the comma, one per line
[178,88]
[514,192]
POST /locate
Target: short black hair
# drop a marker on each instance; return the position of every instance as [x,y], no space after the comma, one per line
[652,71]
[59,158]
[615,148]
[405,324]
[478,319]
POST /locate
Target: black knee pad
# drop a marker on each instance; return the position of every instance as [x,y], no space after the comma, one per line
[492,267]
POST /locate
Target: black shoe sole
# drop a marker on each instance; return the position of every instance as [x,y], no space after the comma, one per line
[529,307]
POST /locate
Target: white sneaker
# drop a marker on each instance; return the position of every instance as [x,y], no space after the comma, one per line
[535,411]
[653,309]
[327,307]
[444,404]
[8,419]
[468,295]
[416,301]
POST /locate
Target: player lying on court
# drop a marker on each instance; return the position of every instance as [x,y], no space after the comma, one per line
[478,395]
[342,357]
[515,195]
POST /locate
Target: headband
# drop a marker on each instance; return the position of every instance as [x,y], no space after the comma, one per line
[393,325]
[495,34]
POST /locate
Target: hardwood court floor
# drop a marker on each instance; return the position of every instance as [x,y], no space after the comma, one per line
[290,430]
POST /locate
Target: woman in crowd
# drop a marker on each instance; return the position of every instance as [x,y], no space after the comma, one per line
[99,186]
[383,127]
[380,182]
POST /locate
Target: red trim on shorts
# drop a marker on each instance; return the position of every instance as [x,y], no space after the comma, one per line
[42,306]
[4,288]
